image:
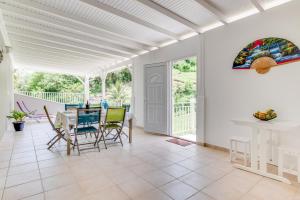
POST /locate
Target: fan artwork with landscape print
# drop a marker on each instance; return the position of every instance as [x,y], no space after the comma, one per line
[265,53]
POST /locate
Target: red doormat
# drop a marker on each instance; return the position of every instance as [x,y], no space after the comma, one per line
[180,142]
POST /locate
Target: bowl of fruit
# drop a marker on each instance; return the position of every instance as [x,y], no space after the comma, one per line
[265,116]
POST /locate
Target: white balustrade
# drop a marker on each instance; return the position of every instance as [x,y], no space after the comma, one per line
[184,119]
[56,96]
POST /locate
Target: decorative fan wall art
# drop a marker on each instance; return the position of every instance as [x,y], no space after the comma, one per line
[265,53]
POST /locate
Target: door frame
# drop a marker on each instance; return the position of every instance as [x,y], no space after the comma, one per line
[166,132]
[170,96]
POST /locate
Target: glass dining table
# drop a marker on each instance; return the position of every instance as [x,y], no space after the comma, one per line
[67,119]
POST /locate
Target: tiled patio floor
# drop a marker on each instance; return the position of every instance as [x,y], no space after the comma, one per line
[149,169]
[189,137]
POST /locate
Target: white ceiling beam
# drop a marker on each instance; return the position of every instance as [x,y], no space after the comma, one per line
[54,39]
[59,66]
[170,14]
[54,53]
[24,39]
[18,45]
[35,33]
[24,51]
[258,5]
[71,27]
[36,47]
[216,12]
[3,33]
[49,69]
[74,20]
[67,34]
[117,66]
[59,58]
[46,61]
[132,18]
[35,57]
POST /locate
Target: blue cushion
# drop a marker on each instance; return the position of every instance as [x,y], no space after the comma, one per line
[104,104]
[89,118]
[71,106]
[88,129]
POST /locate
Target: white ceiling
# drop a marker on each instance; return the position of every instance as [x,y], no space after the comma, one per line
[85,36]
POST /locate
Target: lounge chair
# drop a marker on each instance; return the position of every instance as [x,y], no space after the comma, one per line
[36,117]
[31,112]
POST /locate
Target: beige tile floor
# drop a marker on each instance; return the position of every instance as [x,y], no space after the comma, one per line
[148,169]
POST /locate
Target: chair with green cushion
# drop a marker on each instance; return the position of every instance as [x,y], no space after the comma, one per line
[114,120]
[88,121]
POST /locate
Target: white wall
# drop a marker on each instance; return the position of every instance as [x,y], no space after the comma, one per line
[6,92]
[6,81]
[233,94]
[236,94]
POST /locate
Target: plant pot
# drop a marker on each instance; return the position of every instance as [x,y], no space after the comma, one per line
[19,126]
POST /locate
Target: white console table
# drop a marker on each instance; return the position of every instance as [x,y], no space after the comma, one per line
[264,129]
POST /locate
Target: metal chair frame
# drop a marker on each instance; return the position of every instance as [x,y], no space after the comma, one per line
[60,134]
[119,129]
[96,133]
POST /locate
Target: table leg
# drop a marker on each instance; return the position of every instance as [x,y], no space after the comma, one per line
[275,143]
[254,146]
[263,151]
[69,146]
[130,131]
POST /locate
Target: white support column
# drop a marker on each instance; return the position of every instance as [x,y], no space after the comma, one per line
[86,88]
[6,77]
[200,104]
[103,88]
[130,67]
[103,75]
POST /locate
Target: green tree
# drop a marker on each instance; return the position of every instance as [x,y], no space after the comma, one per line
[184,92]
[46,82]
[123,76]
[184,80]
[118,86]
[96,86]
[118,93]
[187,65]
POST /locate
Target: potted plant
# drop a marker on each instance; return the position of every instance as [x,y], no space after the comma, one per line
[19,119]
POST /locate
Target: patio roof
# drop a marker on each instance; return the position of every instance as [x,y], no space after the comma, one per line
[84,36]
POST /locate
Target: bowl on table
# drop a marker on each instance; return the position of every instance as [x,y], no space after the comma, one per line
[266,115]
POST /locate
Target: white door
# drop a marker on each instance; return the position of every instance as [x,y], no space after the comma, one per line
[155,98]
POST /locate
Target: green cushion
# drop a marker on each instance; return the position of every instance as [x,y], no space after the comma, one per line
[115,115]
[112,126]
